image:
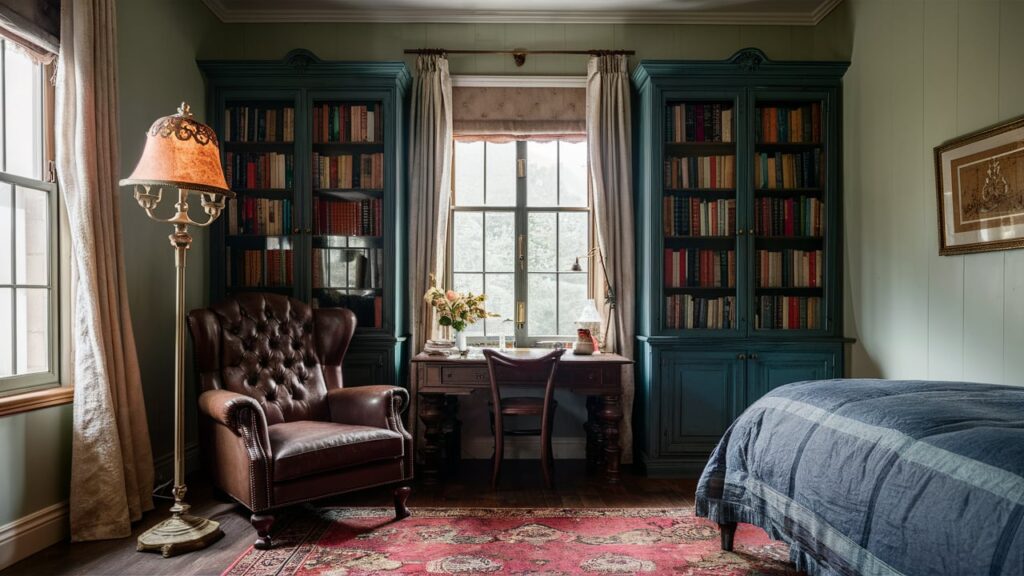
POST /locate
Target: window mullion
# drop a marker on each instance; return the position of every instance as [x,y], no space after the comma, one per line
[522,332]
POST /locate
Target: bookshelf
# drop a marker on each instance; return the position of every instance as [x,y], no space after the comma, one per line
[739,219]
[314,150]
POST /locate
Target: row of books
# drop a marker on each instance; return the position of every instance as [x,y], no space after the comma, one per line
[347,218]
[700,268]
[788,268]
[259,170]
[778,170]
[689,216]
[788,313]
[259,216]
[259,124]
[801,216]
[344,172]
[347,268]
[683,311]
[705,122]
[272,267]
[788,124]
[347,123]
[700,172]
[369,309]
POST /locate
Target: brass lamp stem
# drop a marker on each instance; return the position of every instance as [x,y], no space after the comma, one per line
[182,241]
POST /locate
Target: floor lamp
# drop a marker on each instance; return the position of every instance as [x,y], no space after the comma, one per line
[181,154]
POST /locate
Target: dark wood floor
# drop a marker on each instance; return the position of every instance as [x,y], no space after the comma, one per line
[521,487]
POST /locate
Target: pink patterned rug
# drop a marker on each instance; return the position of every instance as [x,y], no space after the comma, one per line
[542,541]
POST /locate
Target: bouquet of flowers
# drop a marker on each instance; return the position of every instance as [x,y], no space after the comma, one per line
[455,309]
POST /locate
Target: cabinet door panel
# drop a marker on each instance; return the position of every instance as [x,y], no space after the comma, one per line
[701,393]
[770,369]
[362,368]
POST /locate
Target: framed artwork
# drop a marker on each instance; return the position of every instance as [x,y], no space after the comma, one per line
[980,183]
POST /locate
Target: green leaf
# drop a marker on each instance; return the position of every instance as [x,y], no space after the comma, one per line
[445,321]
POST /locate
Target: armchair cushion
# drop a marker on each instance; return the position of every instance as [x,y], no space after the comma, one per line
[308,447]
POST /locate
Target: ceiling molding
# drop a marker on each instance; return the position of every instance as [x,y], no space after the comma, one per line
[469,81]
[719,17]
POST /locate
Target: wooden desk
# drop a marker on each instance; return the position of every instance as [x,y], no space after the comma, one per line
[441,380]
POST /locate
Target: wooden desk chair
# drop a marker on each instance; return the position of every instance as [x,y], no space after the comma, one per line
[522,371]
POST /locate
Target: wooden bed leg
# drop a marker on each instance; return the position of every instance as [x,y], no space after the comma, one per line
[728,532]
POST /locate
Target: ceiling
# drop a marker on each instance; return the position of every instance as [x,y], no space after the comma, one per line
[784,12]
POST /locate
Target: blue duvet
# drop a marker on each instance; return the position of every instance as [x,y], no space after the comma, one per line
[879,476]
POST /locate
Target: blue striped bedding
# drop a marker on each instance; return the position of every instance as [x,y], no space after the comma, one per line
[879,476]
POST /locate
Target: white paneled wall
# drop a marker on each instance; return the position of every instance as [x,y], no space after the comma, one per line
[923,72]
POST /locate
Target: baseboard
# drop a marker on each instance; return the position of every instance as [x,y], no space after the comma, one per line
[517,448]
[164,464]
[30,534]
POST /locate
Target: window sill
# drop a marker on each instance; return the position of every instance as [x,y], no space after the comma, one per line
[29,401]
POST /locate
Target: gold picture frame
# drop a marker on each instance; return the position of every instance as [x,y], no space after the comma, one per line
[979,179]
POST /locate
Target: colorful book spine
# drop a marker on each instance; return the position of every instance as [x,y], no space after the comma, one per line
[788,268]
[700,268]
[347,218]
[344,123]
[781,171]
[261,216]
[801,216]
[344,171]
[710,172]
[788,124]
[687,312]
[703,122]
[273,267]
[689,216]
[259,124]
[260,170]
[788,313]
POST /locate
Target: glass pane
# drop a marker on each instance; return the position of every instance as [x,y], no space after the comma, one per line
[572,176]
[542,241]
[501,174]
[470,283]
[31,240]
[542,173]
[500,300]
[6,234]
[541,311]
[22,112]
[6,333]
[500,231]
[33,329]
[469,173]
[573,239]
[572,294]
[467,242]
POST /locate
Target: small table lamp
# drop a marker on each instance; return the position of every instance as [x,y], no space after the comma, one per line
[609,292]
[184,154]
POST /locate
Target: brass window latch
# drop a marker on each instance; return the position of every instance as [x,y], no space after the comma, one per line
[520,315]
[521,168]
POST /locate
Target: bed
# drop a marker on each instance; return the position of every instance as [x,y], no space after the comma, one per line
[878,476]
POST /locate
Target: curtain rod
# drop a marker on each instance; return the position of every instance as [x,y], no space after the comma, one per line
[519,55]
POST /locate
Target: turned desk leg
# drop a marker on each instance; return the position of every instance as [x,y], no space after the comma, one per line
[452,427]
[595,435]
[728,535]
[432,416]
[610,415]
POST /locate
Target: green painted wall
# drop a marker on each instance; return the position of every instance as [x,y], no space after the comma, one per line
[35,461]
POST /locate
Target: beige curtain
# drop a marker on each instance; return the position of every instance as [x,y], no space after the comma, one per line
[609,135]
[111,461]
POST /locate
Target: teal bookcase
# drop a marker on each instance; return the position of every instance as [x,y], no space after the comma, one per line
[315,151]
[739,242]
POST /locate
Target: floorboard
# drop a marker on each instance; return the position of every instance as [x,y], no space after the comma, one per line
[521,486]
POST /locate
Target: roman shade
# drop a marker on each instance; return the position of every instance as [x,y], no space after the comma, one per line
[504,114]
[33,25]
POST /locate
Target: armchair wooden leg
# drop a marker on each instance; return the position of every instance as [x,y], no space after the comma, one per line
[728,533]
[401,496]
[262,523]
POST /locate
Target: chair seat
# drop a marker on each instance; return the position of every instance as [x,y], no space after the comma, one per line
[307,447]
[522,406]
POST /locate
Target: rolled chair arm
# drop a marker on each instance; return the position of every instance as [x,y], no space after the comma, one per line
[378,406]
[241,414]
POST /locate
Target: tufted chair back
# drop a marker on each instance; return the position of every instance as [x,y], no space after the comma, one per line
[274,349]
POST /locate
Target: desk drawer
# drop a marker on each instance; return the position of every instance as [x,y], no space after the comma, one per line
[465,376]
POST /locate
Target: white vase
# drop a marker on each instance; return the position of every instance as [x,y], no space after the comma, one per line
[460,341]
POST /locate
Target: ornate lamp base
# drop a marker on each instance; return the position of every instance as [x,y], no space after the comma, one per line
[179,534]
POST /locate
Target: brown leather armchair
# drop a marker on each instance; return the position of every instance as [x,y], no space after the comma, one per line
[277,426]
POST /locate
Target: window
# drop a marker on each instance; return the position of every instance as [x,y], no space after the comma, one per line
[28,226]
[520,218]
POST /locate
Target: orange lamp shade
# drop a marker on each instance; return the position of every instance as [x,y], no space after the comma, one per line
[181,152]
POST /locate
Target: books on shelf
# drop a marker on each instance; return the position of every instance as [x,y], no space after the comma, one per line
[259,124]
[689,216]
[684,311]
[259,216]
[788,268]
[255,268]
[259,170]
[347,218]
[699,122]
[801,216]
[778,170]
[788,124]
[700,172]
[700,268]
[347,123]
[353,268]
[342,171]
[788,313]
